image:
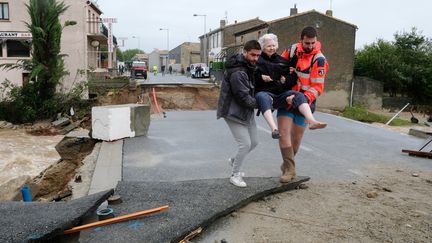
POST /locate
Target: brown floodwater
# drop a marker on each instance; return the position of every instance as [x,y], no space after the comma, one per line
[25,154]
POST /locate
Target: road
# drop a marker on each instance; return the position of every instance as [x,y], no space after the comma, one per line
[194,145]
[171,79]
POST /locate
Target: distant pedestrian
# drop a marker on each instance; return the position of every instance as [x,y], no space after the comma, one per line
[170,70]
[188,71]
[155,70]
[121,69]
[163,70]
[198,70]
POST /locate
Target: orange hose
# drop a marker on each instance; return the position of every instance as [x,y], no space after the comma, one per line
[155,100]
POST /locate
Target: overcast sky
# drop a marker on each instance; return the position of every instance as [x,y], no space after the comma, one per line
[141,18]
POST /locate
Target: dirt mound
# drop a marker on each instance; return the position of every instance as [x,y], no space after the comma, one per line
[187,98]
[388,204]
[169,97]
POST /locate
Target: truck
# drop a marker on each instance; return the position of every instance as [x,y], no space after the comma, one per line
[138,69]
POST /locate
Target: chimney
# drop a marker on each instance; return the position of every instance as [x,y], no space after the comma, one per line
[235,22]
[293,11]
[222,23]
[329,13]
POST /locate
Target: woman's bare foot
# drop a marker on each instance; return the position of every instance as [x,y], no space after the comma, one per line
[317,125]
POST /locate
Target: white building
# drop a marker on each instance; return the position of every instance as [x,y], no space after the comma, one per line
[81,43]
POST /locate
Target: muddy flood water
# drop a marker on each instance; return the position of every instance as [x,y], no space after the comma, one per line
[24,154]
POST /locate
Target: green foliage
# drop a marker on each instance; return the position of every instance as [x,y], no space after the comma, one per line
[38,99]
[130,53]
[47,62]
[119,55]
[404,65]
[19,106]
[218,65]
[363,115]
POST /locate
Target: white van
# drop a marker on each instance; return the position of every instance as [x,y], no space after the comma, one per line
[205,71]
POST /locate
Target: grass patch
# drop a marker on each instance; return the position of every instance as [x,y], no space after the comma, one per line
[363,115]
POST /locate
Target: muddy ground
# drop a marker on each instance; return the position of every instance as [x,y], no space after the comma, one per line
[387,205]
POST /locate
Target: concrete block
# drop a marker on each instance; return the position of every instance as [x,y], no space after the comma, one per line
[420,133]
[120,121]
[61,122]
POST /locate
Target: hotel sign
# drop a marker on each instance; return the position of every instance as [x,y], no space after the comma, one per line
[110,21]
[15,34]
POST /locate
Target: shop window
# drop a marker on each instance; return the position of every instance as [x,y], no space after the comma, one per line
[16,48]
[4,11]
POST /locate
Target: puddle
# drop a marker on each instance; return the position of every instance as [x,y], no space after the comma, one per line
[24,154]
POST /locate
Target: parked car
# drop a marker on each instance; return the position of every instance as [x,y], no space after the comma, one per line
[205,70]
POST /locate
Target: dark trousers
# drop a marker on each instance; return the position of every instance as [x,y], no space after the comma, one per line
[269,101]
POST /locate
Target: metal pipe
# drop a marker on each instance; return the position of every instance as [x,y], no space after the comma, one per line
[397,114]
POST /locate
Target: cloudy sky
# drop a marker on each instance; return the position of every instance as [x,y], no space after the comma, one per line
[143,19]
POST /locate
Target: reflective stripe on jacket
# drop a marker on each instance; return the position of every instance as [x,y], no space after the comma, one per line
[311,69]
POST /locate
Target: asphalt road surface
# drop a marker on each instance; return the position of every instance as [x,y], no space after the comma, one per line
[194,145]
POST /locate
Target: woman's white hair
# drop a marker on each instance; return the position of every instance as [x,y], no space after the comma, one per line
[263,40]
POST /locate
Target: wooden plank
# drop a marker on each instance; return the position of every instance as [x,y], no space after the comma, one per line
[418,153]
[116,219]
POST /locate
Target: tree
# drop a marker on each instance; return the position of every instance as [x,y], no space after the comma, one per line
[47,62]
[130,53]
[415,51]
[119,55]
[36,99]
[379,61]
[404,65]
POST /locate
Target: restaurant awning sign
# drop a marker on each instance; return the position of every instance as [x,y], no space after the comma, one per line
[9,34]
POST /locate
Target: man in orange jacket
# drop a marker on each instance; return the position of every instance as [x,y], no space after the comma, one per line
[311,68]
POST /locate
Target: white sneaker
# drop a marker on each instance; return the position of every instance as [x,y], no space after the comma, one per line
[237,180]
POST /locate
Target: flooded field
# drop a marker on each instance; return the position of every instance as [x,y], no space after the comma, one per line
[24,154]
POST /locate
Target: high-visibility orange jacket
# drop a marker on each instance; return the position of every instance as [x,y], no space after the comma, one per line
[311,69]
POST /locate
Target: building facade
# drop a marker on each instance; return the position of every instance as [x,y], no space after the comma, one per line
[213,42]
[84,44]
[158,58]
[338,45]
[185,54]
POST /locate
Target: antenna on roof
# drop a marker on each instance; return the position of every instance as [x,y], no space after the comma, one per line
[330,11]
[331,5]
[226,17]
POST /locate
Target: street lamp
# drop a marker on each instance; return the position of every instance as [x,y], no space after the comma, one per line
[205,37]
[139,41]
[168,57]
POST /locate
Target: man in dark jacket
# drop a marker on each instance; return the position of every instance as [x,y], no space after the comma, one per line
[237,102]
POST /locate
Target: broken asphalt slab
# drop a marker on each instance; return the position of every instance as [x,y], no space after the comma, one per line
[41,222]
[192,204]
